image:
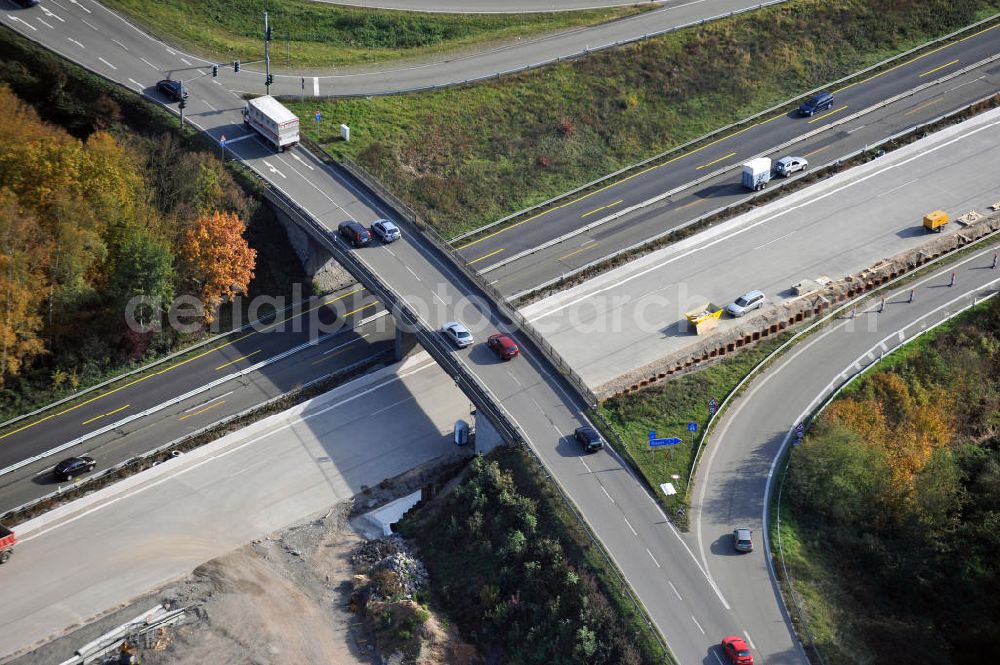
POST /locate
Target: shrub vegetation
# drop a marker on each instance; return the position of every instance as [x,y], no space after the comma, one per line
[895,505]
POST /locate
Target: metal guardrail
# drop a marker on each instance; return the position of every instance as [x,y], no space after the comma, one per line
[744,201]
[180,441]
[437,242]
[717,132]
[485,402]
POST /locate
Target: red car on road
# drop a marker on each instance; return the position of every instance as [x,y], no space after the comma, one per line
[503,345]
[737,650]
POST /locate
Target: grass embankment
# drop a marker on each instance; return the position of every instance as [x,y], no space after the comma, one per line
[890,506]
[466,156]
[667,408]
[319,35]
[512,566]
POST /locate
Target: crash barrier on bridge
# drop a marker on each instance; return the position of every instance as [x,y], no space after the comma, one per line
[832,167]
[437,242]
[808,305]
[716,134]
[175,447]
[404,316]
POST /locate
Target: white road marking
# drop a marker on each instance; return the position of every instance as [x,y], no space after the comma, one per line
[120,44]
[76,42]
[136,84]
[585,465]
[606,494]
[274,170]
[975,80]
[51,15]
[81,6]
[515,378]
[698,624]
[186,62]
[629,525]
[391,253]
[204,404]
[559,435]
[212,108]
[413,273]
[851,131]
[674,589]
[169,51]
[653,558]
[149,63]
[345,344]
[898,187]
[106,62]
[296,157]
[47,25]
[749,641]
[89,25]
[316,86]
[18,19]
[771,242]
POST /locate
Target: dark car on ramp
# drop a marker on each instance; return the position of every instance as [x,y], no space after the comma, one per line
[175,90]
[74,466]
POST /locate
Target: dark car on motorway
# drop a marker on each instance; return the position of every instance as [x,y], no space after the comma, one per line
[354,233]
[175,90]
[385,230]
[73,466]
[503,345]
[589,438]
[821,101]
[743,540]
[26,3]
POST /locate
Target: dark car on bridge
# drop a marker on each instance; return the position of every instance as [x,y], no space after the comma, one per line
[175,90]
[354,233]
[72,467]
[26,3]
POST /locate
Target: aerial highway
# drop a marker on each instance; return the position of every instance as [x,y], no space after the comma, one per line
[664,570]
[536,397]
[514,256]
[60,26]
[187,393]
[632,315]
[485,6]
[739,470]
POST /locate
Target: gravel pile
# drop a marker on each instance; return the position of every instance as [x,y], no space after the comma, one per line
[393,555]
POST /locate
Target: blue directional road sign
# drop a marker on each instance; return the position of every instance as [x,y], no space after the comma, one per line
[654,442]
[692,427]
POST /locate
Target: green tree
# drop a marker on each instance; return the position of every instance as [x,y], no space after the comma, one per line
[142,284]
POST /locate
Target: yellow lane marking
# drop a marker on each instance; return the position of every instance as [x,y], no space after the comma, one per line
[610,205]
[816,151]
[105,415]
[577,251]
[207,408]
[931,71]
[623,180]
[924,105]
[827,115]
[715,161]
[362,308]
[485,256]
[236,360]
[170,367]
[688,204]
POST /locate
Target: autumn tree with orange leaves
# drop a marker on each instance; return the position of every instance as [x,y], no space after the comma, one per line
[217,259]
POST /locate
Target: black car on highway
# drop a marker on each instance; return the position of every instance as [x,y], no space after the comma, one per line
[589,438]
[73,466]
[175,90]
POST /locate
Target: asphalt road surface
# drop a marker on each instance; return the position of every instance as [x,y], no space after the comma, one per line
[73,28]
[740,459]
[830,135]
[633,315]
[485,6]
[101,551]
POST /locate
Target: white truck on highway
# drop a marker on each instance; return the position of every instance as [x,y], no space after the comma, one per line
[278,125]
[756,173]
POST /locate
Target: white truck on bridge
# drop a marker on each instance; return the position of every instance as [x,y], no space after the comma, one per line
[274,122]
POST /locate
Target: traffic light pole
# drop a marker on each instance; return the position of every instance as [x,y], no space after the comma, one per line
[267,55]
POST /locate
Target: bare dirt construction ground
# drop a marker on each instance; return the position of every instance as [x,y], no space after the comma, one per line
[278,600]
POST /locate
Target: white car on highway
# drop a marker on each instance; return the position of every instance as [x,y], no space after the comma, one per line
[746,303]
[786,166]
[458,334]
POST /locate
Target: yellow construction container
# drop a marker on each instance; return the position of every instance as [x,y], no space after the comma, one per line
[704,318]
[935,221]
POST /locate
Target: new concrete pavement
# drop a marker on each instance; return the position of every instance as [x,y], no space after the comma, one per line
[133,537]
[633,315]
